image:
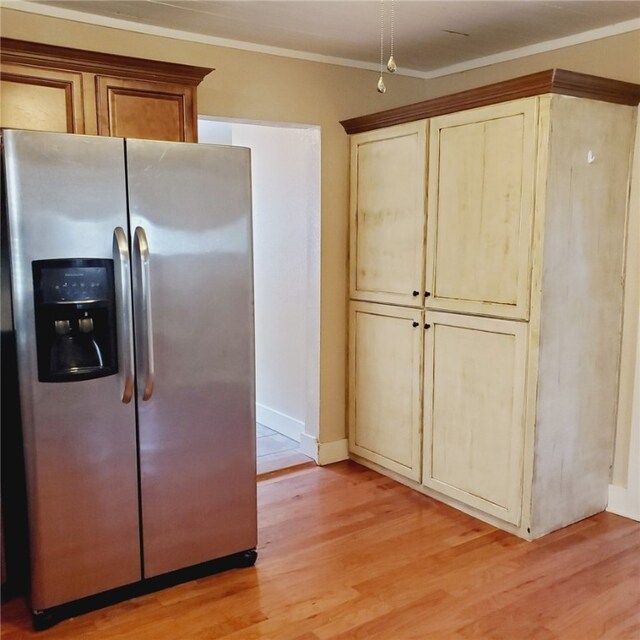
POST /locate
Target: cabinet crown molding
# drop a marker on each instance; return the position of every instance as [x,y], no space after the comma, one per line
[561,81]
[43,55]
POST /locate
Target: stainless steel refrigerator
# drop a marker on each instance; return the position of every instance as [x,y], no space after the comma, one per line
[132,300]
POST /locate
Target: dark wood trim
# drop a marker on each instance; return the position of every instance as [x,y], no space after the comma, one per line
[44,55]
[551,81]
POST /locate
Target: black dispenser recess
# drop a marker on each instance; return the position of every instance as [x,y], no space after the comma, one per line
[75,319]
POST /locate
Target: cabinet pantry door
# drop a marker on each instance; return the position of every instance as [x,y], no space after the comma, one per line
[385,363]
[388,169]
[474,385]
[481,179]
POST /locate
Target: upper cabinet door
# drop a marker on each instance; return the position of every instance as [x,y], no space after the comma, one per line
[481,180]
[388,214]
[41,99]
[151,110]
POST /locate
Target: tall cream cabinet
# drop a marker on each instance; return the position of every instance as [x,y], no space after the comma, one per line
[486,285]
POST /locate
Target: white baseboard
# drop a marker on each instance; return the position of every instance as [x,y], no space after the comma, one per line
[280,422]
[335,451]
[623,502]
[309,446]
[324,452]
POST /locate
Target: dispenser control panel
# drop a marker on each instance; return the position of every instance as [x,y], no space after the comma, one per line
[73,284]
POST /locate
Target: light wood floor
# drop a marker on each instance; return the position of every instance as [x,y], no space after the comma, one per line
[346,553]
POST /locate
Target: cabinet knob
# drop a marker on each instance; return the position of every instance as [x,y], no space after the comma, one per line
[427,294]
[427,326]
[416,293]
[415,324]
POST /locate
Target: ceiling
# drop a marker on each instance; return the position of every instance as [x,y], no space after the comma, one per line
[429,35]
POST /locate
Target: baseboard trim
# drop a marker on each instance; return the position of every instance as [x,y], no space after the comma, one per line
[622,503]
[309,446]
[324,452]
[280,422]
[334,451]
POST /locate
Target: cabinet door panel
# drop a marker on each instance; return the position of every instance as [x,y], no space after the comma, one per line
[481,209]
[473,407]
[385,361]
[150,110]
[41,99]
[388,214]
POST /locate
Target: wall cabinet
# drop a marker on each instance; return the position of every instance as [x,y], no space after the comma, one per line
[388,215]
[41,99]
[132,108]
[522,242]
[481,180]
[68,90]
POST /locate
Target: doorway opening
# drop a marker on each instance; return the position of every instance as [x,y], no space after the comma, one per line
[285,175]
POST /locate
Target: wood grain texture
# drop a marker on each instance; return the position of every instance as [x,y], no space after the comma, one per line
[132,108]
[474,411]
[41,99]
[587,178]
[558,81]
[59,89]
[346,554]
[387,215]
[385,380]
[480,201]
[526,220]
[44,55]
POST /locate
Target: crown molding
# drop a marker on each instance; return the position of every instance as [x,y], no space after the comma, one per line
[559,81]
[22,52]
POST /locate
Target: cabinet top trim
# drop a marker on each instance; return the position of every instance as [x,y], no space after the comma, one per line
[569,83]
[45,55]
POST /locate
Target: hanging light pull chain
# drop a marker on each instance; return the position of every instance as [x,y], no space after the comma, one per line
[391,65]
[381,87]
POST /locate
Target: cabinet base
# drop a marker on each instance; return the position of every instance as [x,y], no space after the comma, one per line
[519,531]
[44,618]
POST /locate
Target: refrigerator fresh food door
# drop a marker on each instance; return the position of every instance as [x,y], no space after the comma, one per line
[190,208]
[65,197]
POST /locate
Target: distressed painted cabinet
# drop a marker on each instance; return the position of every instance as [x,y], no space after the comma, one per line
[481,180]
[385,359]
[474,386]
[524,238]
[388,215]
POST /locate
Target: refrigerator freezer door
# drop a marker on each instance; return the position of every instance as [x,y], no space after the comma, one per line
[65,196]
[190,214]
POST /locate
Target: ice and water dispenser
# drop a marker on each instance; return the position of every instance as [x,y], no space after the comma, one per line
[75,319]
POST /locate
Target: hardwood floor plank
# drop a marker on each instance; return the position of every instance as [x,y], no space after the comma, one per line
[345,553]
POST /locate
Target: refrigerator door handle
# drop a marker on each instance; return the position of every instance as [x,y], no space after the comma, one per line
[125,324]
[142,249]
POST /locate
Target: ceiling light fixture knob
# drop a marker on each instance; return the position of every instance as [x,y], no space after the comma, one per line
[381,87]
[391,65]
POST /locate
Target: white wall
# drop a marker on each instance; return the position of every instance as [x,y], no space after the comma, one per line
[214,132]
[286,201]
